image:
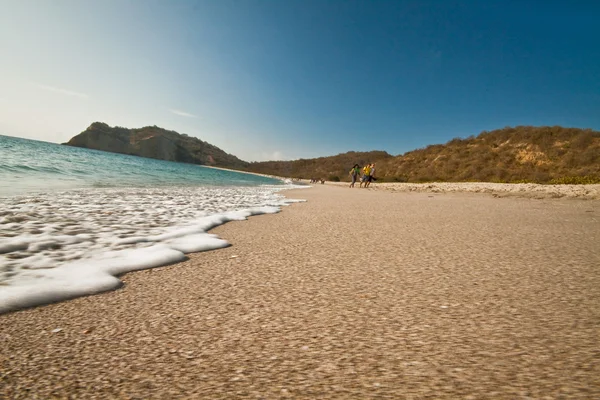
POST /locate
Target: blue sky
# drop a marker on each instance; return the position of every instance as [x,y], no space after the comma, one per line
[289,79]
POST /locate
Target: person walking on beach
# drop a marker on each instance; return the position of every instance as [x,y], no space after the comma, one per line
[354,172]
[366,174]
[371,176]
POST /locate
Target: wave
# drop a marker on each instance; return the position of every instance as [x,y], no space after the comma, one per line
[77,243]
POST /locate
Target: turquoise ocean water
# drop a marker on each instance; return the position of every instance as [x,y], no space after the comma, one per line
[34,166]
[73,220]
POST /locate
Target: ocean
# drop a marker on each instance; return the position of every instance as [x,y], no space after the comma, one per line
[72,220]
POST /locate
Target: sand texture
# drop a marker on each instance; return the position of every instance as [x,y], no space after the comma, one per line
[526,190]
[355,294]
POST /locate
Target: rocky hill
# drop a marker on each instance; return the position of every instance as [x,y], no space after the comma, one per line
[154,142]
[521,154]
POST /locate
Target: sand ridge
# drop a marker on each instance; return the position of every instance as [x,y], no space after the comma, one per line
[353,294]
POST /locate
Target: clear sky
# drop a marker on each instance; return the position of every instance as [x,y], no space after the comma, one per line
[285,79]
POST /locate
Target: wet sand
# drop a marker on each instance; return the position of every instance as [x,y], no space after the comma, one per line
[354,294]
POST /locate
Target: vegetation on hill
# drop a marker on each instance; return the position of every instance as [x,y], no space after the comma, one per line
[521,154]
[154,142]
[334,168]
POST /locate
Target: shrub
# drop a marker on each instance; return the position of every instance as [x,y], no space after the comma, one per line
[575,180]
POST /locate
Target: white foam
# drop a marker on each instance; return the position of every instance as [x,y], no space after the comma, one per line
[197,242]
[59,246]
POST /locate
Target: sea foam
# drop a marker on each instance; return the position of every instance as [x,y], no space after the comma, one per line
[63,245]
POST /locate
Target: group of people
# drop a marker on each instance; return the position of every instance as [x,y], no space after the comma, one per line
[368,175]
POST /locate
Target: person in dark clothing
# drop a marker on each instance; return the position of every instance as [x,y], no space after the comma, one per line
[354,173]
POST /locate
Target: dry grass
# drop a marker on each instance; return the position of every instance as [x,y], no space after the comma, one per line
[511,155]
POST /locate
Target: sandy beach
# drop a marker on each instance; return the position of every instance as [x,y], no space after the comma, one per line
[353,294]
[525,190]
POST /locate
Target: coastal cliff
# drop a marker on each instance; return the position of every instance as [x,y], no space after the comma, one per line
[154,142]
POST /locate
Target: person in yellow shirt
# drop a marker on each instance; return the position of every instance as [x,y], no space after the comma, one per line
[366,175]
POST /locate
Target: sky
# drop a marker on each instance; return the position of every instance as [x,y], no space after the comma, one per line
[286,79]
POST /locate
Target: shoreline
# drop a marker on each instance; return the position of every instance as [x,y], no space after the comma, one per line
[419,295]
[69,258]
[526,190]
[248,172]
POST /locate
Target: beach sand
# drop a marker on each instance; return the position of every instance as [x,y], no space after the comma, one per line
[354,294]
[526,190]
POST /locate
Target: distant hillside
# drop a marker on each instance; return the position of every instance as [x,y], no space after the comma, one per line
[524,153]
[154,142]
[329,168]
[520,154]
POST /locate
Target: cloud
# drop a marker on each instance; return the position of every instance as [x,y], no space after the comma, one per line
[60,90]
[183,114]
[274,156]
[277,155]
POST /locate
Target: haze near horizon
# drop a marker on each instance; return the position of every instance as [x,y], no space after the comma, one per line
[267,80]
